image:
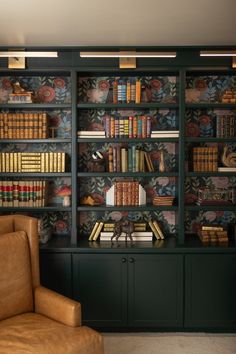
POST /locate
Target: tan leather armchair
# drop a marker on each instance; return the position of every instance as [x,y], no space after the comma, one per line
[33,319]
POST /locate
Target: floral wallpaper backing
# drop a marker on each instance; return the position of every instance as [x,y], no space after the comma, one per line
[159,89]
[208,88]
[46,89]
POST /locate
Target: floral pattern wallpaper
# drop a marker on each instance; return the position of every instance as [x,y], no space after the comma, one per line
[193,219]
[200,89]
[158,89]
[46,89]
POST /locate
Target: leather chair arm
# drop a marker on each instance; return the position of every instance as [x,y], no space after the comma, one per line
[57,307]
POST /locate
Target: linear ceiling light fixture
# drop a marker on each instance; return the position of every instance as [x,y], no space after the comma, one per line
[23,54]
[127,59]
[16,58]
[130,54]
[218,53]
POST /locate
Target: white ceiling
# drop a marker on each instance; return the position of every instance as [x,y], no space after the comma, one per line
[117,22]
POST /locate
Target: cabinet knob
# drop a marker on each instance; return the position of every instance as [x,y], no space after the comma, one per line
[123,260]
[131,260]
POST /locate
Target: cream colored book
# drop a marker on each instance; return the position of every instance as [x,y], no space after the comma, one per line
[93,230]
[156,233]
[155,224]
[99,229]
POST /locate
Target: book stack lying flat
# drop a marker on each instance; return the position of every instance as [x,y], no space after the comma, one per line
[163,200]
[164,134]
[91,134]
[215,234]
[226,169]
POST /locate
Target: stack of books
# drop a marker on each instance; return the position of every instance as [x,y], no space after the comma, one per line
[164,134]
[215,234]
[23,193]
[229,96]
[226,126]
[23,126]
[205,159]
[128,127]
[126,193]
[127,91]
[163,200]
[129,159]
[226,169]
[216,196]
[32,162]
[91,134]
[106,230]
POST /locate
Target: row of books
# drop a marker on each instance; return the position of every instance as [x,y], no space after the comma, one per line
[106,230]
[226,126]
[127,91]
[32,162]
[23,193]
[126,192]
[23,126]
[215,234]
[205,159]
[128,127]
[130,159]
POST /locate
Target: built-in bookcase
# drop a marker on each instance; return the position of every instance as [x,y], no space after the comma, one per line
[210,123]
[20,124]
[199,105]
[99,103]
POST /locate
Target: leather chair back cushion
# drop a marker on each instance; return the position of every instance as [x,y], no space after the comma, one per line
[16,294]
[6,224]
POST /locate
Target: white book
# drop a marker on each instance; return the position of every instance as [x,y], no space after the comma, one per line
[136,236]
[135,233]
[91,136]
[165,132]
[172,135]
[91,132]
[122,238]
[226,169]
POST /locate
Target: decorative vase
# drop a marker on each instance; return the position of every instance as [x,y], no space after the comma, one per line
[162,163]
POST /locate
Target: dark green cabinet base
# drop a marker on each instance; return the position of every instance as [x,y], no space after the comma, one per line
[55,272]
[210,291]
[138,291]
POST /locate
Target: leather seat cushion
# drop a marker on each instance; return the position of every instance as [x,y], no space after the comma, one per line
[16,293]
[33,333]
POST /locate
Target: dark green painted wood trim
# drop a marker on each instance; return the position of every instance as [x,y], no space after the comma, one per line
[74,196]
[181,179]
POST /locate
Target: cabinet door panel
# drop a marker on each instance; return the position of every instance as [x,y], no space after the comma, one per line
[100,284]
[210,291]
[155,290]
[55,272]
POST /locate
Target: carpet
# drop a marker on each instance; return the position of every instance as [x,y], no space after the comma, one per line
[169,343]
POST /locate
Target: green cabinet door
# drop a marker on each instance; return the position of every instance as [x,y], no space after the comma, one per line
[210,291]
[55,272]
[155,290]
[100,284]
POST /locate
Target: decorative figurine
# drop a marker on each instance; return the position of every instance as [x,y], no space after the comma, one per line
[228,158]
[125,226]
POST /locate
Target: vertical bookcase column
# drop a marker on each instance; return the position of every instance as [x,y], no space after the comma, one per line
[74,157]
[181,211]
